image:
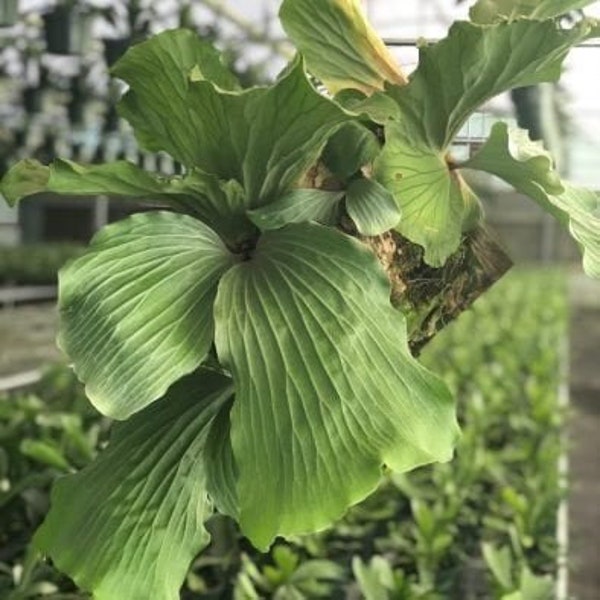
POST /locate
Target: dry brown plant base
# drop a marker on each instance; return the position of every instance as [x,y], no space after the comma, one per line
[433,297]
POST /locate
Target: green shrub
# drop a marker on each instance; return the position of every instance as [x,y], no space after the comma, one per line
[35,264]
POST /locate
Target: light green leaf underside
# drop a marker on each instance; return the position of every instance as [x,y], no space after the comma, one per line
[158,72]
[429,195]
[352,147]
[487,12]
[130,523]
[298,206]
[583,209]
[512,156]
[135,310]
[326,390]
[221,205]
[372,207]
[470,66]
[339,45]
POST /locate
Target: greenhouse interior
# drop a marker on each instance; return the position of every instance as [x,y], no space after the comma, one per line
[299,299]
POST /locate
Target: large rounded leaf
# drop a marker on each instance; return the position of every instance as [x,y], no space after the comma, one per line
[326,390]
[129,524]
[136,309]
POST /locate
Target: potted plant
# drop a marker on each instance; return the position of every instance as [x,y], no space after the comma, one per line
[257,337]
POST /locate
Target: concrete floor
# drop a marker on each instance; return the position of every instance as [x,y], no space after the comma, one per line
[584,458]
[27,338]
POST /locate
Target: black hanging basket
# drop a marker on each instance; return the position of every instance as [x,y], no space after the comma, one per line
[66,31]
[9,12]
[114,49]
[32,100]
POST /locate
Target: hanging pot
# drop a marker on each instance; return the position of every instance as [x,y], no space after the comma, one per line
[66,31]
[114,49]
[111,120]
[20,138]
[9,12]
[77,102]
[76,110]
[32,100]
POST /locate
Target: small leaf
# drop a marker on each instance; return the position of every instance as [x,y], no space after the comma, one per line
[488,12]
[129,524]
[424,519]
[339,45]
[326,389]
[135,309]
[511,155]
[220,204]
[535,587]
[285,559]
[500,562]
[318,569]
[352,147]
[298,206]
[375,579]
[45,452]
[378,107]
[372,207]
